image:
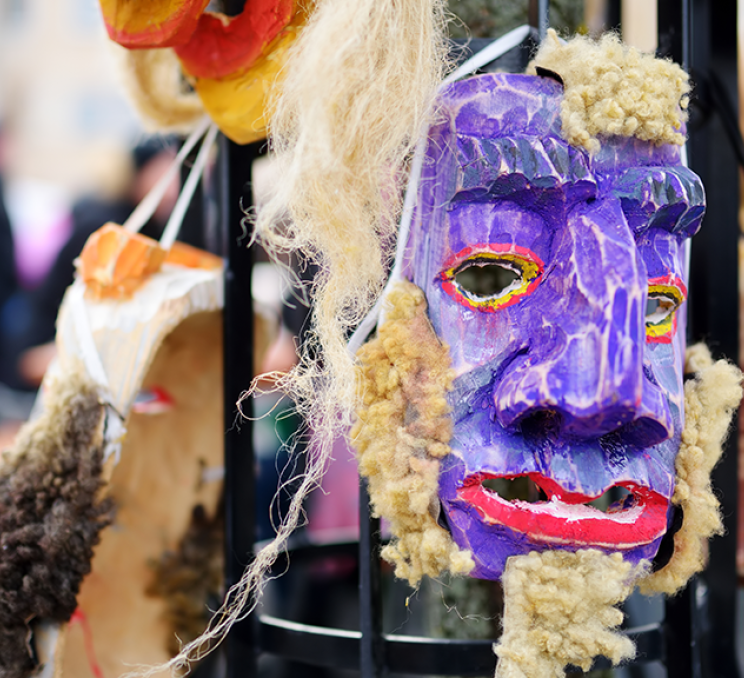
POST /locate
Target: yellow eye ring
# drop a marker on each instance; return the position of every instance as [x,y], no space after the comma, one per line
[665,296]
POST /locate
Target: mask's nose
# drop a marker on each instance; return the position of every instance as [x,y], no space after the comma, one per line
[585,378]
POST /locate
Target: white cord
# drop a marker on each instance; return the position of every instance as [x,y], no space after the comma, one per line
[187,192]
[142,213]
[489,53]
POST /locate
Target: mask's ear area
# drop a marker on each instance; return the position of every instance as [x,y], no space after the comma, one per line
[546,73]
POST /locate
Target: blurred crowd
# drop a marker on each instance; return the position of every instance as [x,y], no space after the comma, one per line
[31,290]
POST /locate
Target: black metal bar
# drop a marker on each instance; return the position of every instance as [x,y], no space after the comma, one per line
[614,13]
[240,524]
[683,634]
[539,16]
[340,649]
[238,371]
[702,36]
[715,309]
[371,651]
[674,30]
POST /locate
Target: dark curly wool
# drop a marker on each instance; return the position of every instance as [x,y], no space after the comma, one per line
[190,578]
[50,516]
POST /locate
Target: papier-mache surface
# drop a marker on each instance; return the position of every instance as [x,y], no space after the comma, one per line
[116,340]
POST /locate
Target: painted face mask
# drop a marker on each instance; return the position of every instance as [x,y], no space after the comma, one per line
[557,279]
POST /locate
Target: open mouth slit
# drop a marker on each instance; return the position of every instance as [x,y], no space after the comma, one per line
[523,488]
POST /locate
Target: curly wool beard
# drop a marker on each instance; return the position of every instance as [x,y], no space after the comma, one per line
[404,429]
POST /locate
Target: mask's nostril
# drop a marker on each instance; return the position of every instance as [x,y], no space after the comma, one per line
[544,425]
[643,432]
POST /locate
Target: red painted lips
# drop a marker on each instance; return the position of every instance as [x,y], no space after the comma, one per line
[565,518]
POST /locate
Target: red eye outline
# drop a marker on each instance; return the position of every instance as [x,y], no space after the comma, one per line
[671,287]
[525,260]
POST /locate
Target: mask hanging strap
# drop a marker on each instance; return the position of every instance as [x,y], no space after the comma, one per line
[170,233]
[142,213]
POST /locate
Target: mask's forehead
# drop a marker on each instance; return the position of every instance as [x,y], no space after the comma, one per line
[503,105]
[498,130]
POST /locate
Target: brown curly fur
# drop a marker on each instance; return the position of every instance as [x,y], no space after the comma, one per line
[51,514]
[189,577]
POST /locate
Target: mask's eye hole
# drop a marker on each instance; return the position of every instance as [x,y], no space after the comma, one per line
[483,280]
[661,306]
[492,280]
[658,308]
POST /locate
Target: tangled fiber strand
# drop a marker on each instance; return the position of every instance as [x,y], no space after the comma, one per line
[710,400]
[342,150]
[190,576]
[560,609]
[357,94]
[158,91]
[359,84]
[403,431]
[51,513]
[613,89]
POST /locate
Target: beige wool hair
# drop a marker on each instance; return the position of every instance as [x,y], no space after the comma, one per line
[357,95]
[710,400]
[403,431]
[158,91]
[613,89]
[559,609]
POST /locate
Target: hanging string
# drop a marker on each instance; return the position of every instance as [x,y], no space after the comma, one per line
[142,213]
[184,199]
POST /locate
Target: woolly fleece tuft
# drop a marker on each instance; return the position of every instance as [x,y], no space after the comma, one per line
[403,430]
[51,513]
[710,400]
[612,89]
[559,609]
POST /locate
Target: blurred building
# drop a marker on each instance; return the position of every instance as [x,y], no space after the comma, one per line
[62,105]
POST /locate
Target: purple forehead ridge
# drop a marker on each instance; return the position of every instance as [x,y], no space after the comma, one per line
[506,165]
[507,105]
[502,105]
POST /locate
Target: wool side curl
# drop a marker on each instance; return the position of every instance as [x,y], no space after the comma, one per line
[710,400]
[403,429]
[612,89]
[51,514]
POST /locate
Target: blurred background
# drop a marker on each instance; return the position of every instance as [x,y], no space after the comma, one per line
[66,136]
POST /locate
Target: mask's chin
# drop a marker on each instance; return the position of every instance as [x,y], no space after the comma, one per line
[500,516]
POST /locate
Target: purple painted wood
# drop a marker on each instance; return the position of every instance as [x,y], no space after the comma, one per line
[569,373]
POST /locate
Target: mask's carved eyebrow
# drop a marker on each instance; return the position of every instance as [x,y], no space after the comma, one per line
[671,198]
[502,167]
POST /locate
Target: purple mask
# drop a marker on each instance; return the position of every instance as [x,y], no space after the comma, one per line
[558,281]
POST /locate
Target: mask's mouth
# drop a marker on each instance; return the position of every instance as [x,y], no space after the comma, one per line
[624,516]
